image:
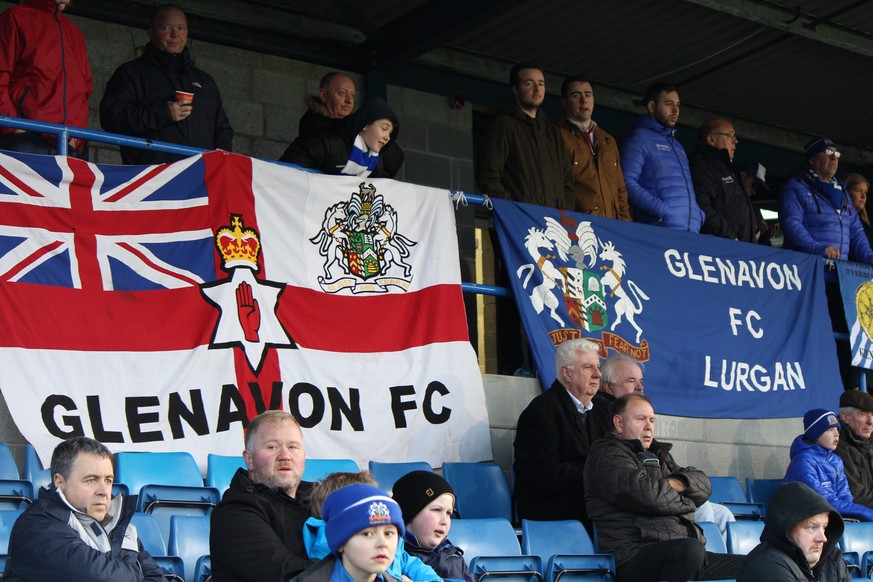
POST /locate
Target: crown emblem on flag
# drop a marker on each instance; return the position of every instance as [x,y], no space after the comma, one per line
[238,246]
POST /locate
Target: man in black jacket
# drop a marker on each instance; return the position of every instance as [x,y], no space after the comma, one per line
[643,503]
[75,531]
[553,436]
[800,540]
[141,101]
[257,529]
[718,186]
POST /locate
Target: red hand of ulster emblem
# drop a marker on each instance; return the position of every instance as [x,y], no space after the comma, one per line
[248,311]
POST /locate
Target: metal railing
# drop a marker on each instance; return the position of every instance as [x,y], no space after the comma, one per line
[64,134]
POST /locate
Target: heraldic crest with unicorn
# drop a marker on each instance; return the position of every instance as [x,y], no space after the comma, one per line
[363,250]
[578,283]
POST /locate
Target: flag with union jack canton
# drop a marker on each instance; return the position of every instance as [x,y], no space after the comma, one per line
[162,307]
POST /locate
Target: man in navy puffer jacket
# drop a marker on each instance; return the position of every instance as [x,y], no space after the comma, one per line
[655,166]
[815,211]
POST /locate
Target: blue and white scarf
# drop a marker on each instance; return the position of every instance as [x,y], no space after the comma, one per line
[362,161]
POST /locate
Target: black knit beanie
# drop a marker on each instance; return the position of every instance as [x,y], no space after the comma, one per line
[415,490]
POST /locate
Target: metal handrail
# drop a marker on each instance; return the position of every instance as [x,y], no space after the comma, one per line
[64,134]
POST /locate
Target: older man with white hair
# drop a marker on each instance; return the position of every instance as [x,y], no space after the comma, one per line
[553,436]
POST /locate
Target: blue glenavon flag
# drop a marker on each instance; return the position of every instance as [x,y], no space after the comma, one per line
[724,328]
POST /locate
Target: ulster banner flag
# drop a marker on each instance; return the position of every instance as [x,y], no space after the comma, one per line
[162,307]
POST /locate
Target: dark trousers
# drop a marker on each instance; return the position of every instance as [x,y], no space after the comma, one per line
[33,143]
[678,561]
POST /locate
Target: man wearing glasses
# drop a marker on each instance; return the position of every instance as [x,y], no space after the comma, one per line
[718,186]
[815,210]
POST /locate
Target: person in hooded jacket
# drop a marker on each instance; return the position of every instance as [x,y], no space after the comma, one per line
[354,149]
[140,98]
[814,462]
[800,542]
[76,530]
[44,73]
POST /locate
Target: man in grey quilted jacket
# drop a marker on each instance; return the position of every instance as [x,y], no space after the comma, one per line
[643,503]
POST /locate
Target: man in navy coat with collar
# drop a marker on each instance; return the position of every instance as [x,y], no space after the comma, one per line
[553,436]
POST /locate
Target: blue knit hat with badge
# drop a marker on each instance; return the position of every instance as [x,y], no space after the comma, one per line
[354,508]
[817,421]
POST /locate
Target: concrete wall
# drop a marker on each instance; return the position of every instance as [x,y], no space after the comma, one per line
[742,448]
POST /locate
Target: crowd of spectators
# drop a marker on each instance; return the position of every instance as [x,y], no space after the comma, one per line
[570,163]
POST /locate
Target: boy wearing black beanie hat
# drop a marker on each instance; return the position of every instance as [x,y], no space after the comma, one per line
[427,502]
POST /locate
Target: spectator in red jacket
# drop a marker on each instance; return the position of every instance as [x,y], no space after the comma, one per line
[44,73]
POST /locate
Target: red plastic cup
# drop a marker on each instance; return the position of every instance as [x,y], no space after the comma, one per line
[184,96]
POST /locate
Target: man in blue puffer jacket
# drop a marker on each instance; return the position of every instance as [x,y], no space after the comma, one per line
[814,462]
[655,166]
[815,211]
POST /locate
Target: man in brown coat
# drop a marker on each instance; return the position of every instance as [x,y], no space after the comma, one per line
[597,176]
[524,158]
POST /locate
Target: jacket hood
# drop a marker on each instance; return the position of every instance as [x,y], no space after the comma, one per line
[47,5]
[794,502]
[315,105]
[646,122]
[375,108]
[800,444]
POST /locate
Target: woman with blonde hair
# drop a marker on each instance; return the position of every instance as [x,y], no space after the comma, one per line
[857,186]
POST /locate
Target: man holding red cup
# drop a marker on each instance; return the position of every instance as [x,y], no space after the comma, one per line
[153,96]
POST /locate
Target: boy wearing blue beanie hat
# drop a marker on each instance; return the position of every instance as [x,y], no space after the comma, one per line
[362,526]
[814,462]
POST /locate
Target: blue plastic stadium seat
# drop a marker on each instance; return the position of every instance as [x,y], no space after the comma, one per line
[8,468]
[15,494]
[149,534]
[743,536]
[317,469]
[480,489]
[189,539]
[34,470]
[166,484]
[165,502]
[507,568]
[857,547]
[565,549]
[714,540]
[220,469]
[7,520]
[139,469]
[386,474]
[761,490]
[203,570]
[728,491]
[174,570]
[484,537]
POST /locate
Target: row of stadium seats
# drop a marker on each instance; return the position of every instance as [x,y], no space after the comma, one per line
[172,491]
[749,504]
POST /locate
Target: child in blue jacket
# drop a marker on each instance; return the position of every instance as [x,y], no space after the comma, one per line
[315,540]
[814,462]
